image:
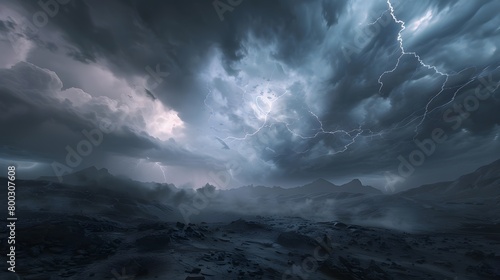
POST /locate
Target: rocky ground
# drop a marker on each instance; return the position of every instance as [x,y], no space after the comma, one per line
[57,246]
[96,226]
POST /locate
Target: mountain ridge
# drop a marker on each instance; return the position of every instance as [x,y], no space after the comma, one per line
[483,182]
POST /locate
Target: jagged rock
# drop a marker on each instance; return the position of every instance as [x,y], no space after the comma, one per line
[195,270]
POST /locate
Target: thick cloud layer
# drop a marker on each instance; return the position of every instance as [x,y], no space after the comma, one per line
[273,92]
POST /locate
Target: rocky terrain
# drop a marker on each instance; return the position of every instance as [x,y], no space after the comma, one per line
[101,231]
[79,247]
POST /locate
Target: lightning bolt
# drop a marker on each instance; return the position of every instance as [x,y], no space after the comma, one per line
[418,116]
[356,132]
[268,120]
[162,171]
[158,164]
[211,110]
[264,123]
[414,54]
[414,116]
[379,18]
[352,134]
[403,52]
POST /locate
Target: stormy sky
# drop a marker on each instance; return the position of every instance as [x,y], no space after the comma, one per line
[234,92]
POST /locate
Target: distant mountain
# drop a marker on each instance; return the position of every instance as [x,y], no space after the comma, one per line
[318,185]
[318,189]
[90,175]
[97,193]
[323,186]
[482,183]
[355,186]
[355,183]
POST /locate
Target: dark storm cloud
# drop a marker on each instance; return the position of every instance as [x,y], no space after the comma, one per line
[290,51]
[180,34]
[357,82]
[30,106]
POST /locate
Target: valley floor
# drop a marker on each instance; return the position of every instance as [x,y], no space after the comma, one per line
[56,246]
